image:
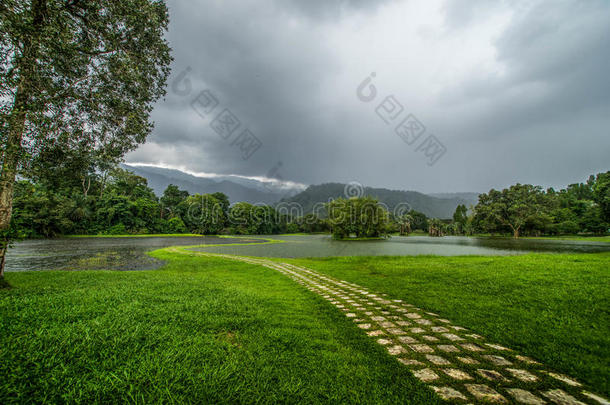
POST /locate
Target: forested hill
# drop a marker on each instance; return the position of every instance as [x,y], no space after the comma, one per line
[431,206]
[252,191]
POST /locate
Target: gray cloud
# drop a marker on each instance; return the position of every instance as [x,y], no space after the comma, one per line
[516,91]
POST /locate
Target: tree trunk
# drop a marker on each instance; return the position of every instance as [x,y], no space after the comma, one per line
[516,233]
[12,152]
[13,148]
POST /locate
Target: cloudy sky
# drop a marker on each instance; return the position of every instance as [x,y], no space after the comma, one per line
[510,91]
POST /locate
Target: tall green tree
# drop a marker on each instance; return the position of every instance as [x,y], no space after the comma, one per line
[511,208]
[362,216]
[601,195]
[460,218]
[76,72]
[171,199]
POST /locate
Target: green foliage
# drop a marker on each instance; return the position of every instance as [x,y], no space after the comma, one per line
[204,214]
[529,210]
[363,217]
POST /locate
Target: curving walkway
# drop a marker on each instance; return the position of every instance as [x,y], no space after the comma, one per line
[460,366]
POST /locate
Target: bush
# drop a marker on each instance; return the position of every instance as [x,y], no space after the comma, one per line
[175,225]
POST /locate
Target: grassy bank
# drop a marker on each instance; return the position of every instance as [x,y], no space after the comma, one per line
[574,237]
[555,308]
[143,235]
[198,331]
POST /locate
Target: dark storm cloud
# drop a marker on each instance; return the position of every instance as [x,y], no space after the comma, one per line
[328,8]
[289,71]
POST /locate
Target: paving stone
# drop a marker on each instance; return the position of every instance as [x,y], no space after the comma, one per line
[458,328]
[423,321]
[484,392]
[438,360]
[407,339]
[475,336]
[417,330]
[453,337]
[448,348]
[600,400]
[472,347]
[358,320]
[364,326]
[565,379]
[425,374]
[491,375]
[384,341]
[376,333]
[525,397]
[448,393]
[413,315]
[430,338]
[522,375]
[526,359]
[396,350]
[498,360]
[378,318]
[350,315]
[439,329]
[421,348]
[432,314]
[369,313]
[457,374]
[396,331]
[403,323]
[385,312]
[387,324]
[468,360]
[497,347]
[562,398]
[395,317]
[444,320]
[411,362]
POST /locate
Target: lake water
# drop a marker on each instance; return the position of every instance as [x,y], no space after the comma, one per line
[130,253]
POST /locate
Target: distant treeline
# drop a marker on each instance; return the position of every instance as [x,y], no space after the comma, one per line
[119,202]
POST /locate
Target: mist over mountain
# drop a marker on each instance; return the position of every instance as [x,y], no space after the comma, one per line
[236,188]
[440,205]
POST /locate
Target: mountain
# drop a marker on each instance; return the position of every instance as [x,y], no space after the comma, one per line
[237,189]
[441,205]
[430,205]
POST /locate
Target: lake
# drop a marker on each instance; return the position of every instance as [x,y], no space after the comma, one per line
[130,253]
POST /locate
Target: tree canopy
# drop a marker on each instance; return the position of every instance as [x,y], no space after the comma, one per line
[77,86]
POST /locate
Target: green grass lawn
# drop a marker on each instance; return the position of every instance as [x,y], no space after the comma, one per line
[198,331]
[212,330]
[574,237]
[555,308]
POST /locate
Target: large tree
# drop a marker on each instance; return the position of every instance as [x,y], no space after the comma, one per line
[362,216]
[511,208]
[77,78]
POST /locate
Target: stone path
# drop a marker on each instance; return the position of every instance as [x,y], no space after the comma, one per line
[460,366]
